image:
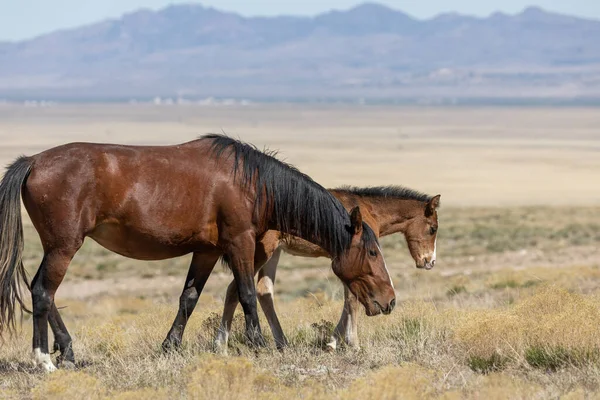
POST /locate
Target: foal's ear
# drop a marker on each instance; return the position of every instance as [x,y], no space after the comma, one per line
[432,205]
[356,220]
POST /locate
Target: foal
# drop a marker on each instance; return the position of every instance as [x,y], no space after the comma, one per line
[210,197]
[387,210]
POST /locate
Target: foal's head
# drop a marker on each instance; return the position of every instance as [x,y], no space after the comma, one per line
[421,234]
[362,268]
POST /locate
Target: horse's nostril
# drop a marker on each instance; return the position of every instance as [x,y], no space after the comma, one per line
[432,263]
[392,304]
[377,306]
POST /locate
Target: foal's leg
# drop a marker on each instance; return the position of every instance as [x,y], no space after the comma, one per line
[266,282]
[43,287]
[266,279]
[353,306]
[198,273]
[347,328]
[231,301]
[62,339]
[241,252]
[265,250]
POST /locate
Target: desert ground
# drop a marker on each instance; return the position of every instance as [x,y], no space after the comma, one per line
[511,309]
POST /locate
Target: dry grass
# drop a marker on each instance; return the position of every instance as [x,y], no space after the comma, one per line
[544,345]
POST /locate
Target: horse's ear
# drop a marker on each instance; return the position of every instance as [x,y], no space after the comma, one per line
[356,220]
[432,205]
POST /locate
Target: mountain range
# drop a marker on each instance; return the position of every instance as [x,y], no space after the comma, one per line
[370,51]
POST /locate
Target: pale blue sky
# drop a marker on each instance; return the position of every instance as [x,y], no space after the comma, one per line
[26,18]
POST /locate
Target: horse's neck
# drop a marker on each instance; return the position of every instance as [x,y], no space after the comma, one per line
[393,215]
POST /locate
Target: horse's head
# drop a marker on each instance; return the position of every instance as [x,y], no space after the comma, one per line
[421,235]
[362,268]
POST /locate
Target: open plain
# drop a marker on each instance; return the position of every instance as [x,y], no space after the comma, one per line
[511,310]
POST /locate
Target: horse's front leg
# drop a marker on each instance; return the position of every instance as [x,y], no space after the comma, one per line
[198,273]
[241,253]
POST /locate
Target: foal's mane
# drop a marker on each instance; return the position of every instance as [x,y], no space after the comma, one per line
[294,203]
[387,192]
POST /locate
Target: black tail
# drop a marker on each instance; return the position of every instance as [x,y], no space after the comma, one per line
[12,272]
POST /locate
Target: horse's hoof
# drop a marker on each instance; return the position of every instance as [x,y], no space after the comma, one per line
[281,348]
[281,344]
[49,368]
[331,346]
[68,365]
[258,343]
[43,361]
[219,347]
[170,346]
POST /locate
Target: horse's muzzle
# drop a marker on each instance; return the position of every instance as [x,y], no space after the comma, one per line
[384,310]
[427,265]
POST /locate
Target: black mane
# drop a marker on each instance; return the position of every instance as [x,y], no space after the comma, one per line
[295,203]
[390,192]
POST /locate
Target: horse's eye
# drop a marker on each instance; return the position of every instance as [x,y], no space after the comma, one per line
[433,230]
[372,253]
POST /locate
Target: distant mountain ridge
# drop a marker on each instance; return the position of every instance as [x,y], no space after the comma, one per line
[369,51]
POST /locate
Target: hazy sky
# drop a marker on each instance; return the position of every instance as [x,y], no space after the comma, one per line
[26,18]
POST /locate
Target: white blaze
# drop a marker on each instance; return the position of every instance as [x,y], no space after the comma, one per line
[385,266]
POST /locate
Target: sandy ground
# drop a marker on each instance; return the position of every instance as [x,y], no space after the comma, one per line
[472,156]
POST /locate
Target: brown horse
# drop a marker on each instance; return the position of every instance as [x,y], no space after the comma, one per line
[387,210]
[210,197]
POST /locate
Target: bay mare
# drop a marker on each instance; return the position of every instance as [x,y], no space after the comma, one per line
[387,210]
[210,197]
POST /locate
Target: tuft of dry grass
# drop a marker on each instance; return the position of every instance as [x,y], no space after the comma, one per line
[410,381]
[68,385]
[236,377]
[550,330]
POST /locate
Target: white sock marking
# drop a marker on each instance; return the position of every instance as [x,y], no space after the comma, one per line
[43,360]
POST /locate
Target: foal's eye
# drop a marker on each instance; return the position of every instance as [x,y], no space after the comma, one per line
[433,230]
[372,253]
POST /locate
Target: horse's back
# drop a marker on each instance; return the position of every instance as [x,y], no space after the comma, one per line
[131,199]
[116,175]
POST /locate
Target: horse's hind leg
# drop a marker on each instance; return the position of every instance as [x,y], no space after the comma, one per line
[43,287]
[200,269]
[62,339]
